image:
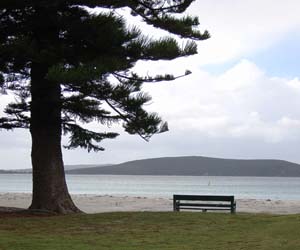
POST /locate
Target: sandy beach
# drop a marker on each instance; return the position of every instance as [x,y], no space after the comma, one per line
[99,204]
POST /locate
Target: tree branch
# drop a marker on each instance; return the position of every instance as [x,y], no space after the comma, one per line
[124,118]
[155,79]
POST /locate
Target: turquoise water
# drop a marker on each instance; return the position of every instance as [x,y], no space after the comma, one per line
[166,186]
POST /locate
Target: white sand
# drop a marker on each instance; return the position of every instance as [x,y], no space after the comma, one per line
[98,204]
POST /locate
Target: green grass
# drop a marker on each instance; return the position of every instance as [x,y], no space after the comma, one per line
[155,231]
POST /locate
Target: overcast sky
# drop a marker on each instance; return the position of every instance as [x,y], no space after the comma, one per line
[242,100]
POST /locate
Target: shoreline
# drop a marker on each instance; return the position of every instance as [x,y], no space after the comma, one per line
[91,203]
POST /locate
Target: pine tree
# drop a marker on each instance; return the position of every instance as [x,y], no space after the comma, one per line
[68,67]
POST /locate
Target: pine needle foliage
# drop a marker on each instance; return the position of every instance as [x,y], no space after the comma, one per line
[81,53]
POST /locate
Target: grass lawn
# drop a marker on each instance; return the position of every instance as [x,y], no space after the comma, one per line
[155,231]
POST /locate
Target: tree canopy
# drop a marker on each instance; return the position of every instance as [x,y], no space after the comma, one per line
[82,51]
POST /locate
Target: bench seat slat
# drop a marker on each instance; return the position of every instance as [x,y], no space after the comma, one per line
[203,205]
[193,208]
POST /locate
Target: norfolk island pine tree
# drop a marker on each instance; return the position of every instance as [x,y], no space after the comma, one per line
[58,59]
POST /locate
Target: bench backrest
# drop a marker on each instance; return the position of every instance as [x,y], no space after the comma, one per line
[203,197]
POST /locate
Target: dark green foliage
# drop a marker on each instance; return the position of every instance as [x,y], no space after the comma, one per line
[90,56]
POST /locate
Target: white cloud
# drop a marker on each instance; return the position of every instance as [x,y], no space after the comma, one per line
[242,76]
[241,102]
[295,83]
[289,123]
[240,28]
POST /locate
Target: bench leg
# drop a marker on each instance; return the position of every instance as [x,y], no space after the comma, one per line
[232,210]
[176,207]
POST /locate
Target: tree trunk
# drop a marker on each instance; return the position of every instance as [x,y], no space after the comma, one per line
[50,191]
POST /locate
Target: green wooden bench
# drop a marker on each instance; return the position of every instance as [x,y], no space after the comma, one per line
[204,202]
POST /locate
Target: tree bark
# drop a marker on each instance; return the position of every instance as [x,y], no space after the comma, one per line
[50,190]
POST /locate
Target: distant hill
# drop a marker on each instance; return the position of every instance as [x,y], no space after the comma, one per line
[67,167]
[80,166]
[16,171]
[197,166]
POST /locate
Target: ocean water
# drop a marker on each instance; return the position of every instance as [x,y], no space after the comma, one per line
[165,186]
